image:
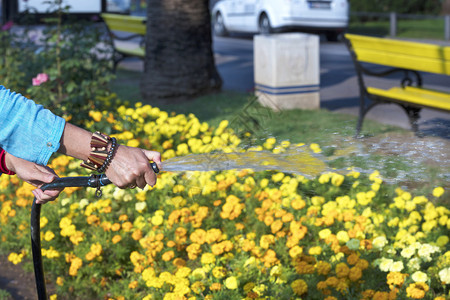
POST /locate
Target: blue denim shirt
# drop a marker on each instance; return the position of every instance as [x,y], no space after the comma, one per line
[27,130]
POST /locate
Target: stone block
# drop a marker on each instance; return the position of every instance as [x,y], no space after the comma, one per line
[287,72]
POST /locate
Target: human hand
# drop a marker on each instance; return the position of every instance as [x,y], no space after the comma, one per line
[131,167]
[35,175]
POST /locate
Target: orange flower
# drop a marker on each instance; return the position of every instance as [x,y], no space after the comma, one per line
[355,274]
[167,256]
[342,270]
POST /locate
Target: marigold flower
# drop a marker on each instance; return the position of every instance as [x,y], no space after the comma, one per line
[323,268]
[438,191]
[198,287]
[317,250]
[419,276]
[231,283]
[444,275]
[299,287]
[117,238]
[219,272]
[208,258]
[343,237]
[417,290]
[215,287]
[133,284]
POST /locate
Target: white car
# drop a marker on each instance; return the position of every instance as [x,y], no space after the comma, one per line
[267,16]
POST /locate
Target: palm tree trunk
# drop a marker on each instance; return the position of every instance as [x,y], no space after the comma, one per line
[179,60]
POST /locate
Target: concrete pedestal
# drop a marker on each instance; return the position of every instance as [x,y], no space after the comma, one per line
[287,72]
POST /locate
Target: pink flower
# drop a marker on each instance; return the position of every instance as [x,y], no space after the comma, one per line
[40,78]
[7,25]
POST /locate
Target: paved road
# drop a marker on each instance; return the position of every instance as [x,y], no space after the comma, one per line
[339,88]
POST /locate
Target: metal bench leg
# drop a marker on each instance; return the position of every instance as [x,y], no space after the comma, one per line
[413,116]
[362,113]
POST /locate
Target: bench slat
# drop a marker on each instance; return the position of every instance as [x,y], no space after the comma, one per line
[403,61]
[132,24]
[139,52]
[419,96]
[401,54]
[400,46]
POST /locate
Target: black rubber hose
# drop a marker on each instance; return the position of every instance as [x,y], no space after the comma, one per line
[94,181]
[35,224]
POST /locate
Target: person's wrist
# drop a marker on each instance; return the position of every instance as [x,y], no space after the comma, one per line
[103,149]
[6,164]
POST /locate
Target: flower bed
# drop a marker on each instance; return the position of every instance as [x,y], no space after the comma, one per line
[230,234]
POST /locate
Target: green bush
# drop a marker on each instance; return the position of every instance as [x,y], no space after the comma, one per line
[73,62]
[431,7]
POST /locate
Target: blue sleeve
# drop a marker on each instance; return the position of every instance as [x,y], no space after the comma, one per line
[27,130]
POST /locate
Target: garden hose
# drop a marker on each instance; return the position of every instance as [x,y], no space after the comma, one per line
[94,181]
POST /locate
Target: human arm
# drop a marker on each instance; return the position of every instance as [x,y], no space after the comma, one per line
[30,132]
[129,167]
[35,175]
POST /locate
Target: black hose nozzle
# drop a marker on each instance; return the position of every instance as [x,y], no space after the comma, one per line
[154,167]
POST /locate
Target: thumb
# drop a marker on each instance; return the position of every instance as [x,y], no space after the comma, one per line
[153,156]
[47,175]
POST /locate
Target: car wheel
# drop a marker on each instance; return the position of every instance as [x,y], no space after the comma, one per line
[264,25]
[219,26]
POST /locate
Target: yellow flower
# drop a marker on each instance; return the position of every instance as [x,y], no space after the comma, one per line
[379,242]
[59,281]
[324,233]
[133,143]
[15,258]
[442,240]
[417,290]
[53,297]
[342,237]
[157,220]
[438,192]
[48,236]
[299,287]
[337,179]
[96,115]
[140,206]
[315,148]
[444,275]
[278,177]
[419,276]
[208,258]
[231,283]
[317,250]
[219,272]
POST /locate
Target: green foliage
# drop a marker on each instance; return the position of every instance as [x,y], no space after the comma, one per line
[4,295]
[431,7]
[71,55]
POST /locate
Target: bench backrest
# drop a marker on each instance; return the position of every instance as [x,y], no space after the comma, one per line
[132,24]
[400,54]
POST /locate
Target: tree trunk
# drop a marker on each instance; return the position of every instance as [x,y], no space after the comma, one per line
[179,60]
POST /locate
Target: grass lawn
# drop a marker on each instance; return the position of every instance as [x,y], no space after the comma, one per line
[332,131]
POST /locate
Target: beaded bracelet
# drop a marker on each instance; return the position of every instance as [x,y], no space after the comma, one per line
[100,158]
[111,153]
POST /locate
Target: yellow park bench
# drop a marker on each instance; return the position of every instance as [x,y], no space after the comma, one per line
[410,59]
[122,28]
